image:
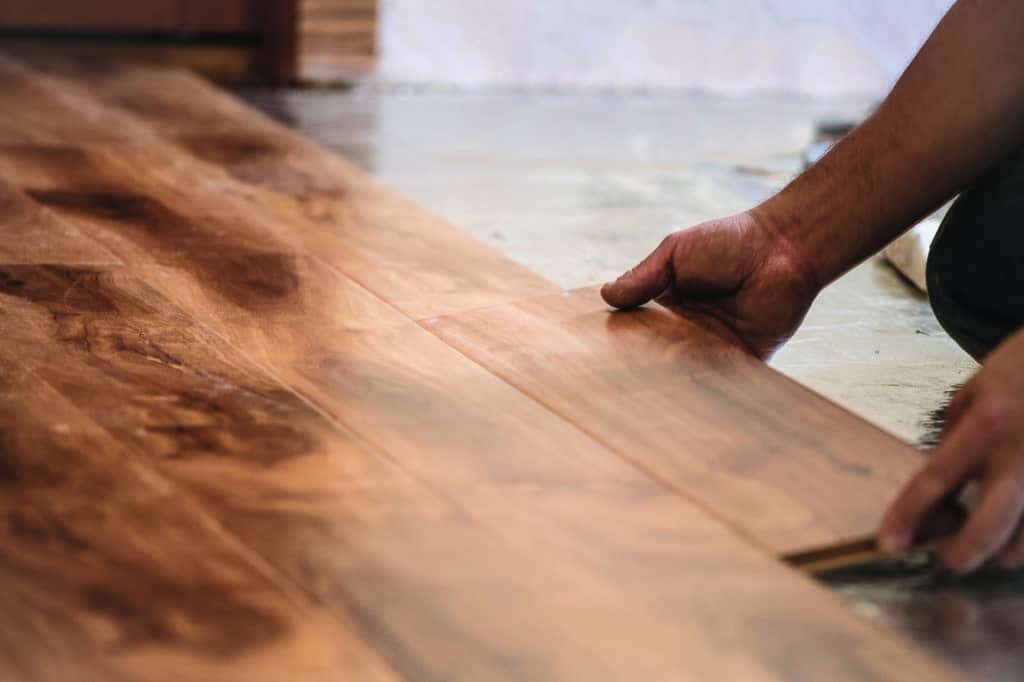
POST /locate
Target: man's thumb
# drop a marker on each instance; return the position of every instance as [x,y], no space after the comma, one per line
[644,282]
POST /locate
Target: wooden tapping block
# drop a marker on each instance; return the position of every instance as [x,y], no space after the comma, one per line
[787,468]
[528,551]
[416,262]
[940,523]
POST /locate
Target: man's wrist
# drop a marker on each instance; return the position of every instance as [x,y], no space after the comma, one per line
[789,243]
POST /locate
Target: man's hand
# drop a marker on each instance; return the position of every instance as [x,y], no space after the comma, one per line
[983,441]
[735,272]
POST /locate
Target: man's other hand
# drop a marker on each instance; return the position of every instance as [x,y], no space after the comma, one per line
[983,441]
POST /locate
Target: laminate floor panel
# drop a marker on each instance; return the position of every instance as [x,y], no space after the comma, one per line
[545,568]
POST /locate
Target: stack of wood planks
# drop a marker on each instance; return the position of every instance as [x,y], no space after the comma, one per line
[263,419]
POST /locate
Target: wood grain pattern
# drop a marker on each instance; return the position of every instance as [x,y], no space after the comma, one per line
[414,261]
[223,16]
[110,574]
[790,469]
[426,507]
[224,63]
[33,234]
[615,560]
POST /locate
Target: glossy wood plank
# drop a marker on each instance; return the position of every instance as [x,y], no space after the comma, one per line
[30,233]
[411,571]
[414,261]
[561,564]
[110,574]
[790,469]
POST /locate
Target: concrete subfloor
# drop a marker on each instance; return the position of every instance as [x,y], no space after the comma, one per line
[579,187]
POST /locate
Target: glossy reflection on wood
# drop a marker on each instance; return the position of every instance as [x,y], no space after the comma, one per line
[255,354]
[411,259]
[110,573]
[785,466]
[532,562]
[32,234]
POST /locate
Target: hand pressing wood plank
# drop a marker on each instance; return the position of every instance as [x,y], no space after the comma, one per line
[561,566]
[789,469]
[111,574]
[418,263]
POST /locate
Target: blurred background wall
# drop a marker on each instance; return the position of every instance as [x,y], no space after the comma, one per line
[820,47]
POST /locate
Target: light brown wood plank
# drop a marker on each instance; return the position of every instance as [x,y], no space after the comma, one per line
[414,261]
[110,574]
[30,233]
[790,469]
[410,571]
[555,567]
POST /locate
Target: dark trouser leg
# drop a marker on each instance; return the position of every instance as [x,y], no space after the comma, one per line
[976,263]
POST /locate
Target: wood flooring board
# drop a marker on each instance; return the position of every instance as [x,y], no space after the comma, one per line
[110,574]
[32,234]
[784,466]
[557,570]
[411,259]
[436,594]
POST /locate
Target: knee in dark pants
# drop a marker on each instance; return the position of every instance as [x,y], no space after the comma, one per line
[975,269]
[970,331]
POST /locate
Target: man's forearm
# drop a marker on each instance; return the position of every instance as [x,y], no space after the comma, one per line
[957,109]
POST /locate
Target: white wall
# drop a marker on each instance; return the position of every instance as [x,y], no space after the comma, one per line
[731,46]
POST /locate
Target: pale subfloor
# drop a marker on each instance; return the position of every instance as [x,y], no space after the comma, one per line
[580,186]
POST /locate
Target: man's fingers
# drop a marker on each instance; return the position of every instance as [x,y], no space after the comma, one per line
[648,279]
[955,458]
[991,524]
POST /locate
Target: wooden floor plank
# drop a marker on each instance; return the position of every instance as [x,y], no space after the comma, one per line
[110,574]
[789,468]
[409,258]
[548,566]
[32,234]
